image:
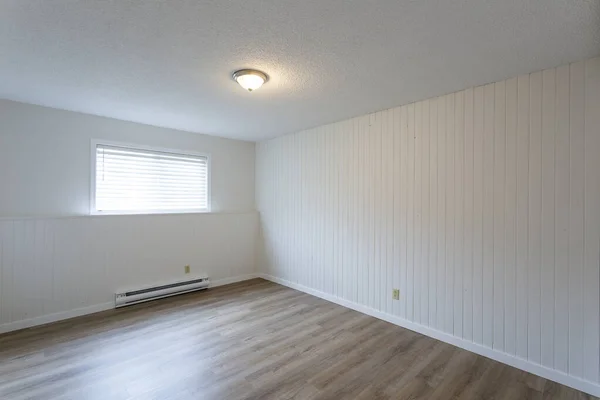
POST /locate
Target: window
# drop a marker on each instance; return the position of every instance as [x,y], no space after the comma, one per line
[137,180]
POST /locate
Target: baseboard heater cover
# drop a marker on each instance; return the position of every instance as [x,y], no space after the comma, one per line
[147,293]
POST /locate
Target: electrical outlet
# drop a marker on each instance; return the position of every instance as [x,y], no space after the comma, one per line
[396,294]
[187,269]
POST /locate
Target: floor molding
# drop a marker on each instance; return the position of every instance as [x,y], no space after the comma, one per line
[78,312]
[525,365]
[59,316]
[234,279]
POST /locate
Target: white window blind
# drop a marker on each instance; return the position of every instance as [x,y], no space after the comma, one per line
[137,180]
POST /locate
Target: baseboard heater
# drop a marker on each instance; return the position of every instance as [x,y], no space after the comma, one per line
[147,293]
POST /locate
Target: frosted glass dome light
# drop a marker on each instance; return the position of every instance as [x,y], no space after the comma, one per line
[250,79]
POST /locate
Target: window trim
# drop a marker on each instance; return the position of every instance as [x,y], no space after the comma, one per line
[94,211]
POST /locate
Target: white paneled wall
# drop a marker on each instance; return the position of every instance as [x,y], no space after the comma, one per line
[481,206]
[60,267]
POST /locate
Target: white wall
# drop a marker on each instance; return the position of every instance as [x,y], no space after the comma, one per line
[57,261]
[45,160]
[481,206]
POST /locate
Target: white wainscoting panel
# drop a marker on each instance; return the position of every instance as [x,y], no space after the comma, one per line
[481,206]
[56,268]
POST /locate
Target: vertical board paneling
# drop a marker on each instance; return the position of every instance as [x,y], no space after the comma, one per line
[389,216]
[561,239]
[418,210]
[334,152]
[548,244]
[488,216]
[410,189]
[19,269]
[482,207]
[404,208]
[313,155]
[441,212]
[478,216]
[510,201]
[535,215]
[371,144]
[499,209]
[450,215]
[329,210]
[378,264]
[469,227]
[522,234]
[433,214]
[459,211]
[360,213]
[68,266]
[7,295]
[388,212]
[352,223]
[397,217]
[576,215]
[425,237]
[591,333]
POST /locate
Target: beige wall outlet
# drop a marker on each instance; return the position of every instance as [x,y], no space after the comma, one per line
[396,294]
[187,269]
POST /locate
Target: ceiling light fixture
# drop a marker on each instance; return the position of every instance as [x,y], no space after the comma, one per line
[250,79]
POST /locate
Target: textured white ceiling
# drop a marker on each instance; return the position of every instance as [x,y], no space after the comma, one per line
[168,62]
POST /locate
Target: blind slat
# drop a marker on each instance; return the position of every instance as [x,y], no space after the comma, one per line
[139,153]
[148,174]
[153,163]
[117,181]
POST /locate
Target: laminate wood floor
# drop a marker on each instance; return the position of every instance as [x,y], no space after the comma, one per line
[251,340]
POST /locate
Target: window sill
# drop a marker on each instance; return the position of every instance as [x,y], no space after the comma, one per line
[151,212]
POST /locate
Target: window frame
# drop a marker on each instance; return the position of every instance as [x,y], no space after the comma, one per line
[93,211]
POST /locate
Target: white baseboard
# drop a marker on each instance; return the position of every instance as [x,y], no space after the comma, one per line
[234,279]
[525,365]
[59,316]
